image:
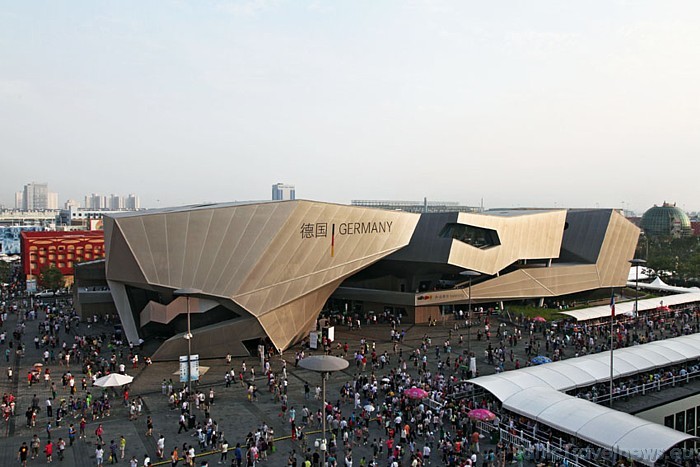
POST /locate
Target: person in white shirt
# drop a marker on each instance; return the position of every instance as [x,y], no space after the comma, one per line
[426,454]
[99,455]
[224,451]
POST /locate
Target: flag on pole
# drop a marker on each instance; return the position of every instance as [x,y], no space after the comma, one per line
[612,305]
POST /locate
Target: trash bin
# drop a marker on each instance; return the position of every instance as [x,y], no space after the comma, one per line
[191,421]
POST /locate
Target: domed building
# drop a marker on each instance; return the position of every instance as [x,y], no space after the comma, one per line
[666,220]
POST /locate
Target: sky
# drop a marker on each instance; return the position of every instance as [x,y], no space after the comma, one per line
[519,103]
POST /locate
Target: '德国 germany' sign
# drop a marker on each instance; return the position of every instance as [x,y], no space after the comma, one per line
[320,230]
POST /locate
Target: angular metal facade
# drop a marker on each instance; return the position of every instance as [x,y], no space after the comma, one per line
[272,265]
[265,270]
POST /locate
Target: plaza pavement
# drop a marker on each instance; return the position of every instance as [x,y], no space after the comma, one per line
[235,415]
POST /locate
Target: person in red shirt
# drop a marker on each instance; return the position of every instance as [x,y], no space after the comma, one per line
[48,450]
[389,446]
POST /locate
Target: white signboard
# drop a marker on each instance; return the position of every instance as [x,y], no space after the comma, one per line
[194,368]
[331,334]
[313,340]
[31,285]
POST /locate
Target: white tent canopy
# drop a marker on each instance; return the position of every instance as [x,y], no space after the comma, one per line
[617,431]
[590,369]
[658,284]
[627,308]
[113,380]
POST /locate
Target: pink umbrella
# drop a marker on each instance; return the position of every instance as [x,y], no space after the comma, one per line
[539,319]
[415,393]
[481,414]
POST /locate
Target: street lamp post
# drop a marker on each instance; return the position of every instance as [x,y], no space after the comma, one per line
[325,365]
[187,293]
[636,263]
[470,274]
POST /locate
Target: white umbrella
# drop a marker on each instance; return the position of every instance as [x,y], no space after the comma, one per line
[369,408]
[113,380]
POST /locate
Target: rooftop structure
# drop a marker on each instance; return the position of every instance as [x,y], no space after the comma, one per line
[666,220]
[415,206]
[266,270]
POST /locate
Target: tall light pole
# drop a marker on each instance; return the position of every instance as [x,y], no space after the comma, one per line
[324,364]
[470,274]
[187,293]
[636,263]
[612,342]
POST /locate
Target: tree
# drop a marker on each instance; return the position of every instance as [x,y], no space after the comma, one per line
[5,271]
[51,278]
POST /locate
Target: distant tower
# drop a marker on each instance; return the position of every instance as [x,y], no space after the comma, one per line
[36,197]
[283,192]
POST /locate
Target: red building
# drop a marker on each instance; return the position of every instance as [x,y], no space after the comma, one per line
[695,225]
[62,249]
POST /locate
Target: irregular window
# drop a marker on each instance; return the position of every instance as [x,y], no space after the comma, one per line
[478,237]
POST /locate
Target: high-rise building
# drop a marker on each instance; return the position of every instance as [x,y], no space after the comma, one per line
[283,192]
[95,201]
[116,202]
[18,200]
[71,204]
[52,201]
[36,197]
[132,202]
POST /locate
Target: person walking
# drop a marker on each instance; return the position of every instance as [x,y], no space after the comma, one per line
[71,434]
[122,446]
[61,447]
[224,451]
[48,450]
[99,455]
[23,453]
[160,446]
[99,431]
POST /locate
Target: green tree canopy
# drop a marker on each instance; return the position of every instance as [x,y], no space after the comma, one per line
[51,278]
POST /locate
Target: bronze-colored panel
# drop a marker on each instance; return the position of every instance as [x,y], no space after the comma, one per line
[176,240]
[121,266]
[618,248]
[528,235]
[158,247]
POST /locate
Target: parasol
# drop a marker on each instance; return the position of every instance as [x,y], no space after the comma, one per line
[113,380]
[540,360]
[539,319]
[481,414]
[415,393]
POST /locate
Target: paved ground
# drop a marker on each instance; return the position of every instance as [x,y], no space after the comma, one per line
[236,416]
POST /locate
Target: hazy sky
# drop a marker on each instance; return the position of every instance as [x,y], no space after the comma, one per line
[521,103]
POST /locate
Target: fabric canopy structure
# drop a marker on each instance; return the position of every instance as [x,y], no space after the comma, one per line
[538,393]
[591,369]
[658,284]
[113,380]
[619,432]
[627,308]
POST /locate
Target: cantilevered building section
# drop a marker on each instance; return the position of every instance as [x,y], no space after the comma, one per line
[266,270]
[521,254]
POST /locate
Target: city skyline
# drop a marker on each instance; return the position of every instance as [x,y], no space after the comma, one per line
[544,104]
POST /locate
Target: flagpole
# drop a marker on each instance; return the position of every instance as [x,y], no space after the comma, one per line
[612,323]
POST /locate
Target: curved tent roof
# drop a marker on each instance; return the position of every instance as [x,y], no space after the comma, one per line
[627,308]
[610,429]
[591,369]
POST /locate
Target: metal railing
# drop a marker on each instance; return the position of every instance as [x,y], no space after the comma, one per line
[643,389]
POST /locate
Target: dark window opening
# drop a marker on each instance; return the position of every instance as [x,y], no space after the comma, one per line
[475,236]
